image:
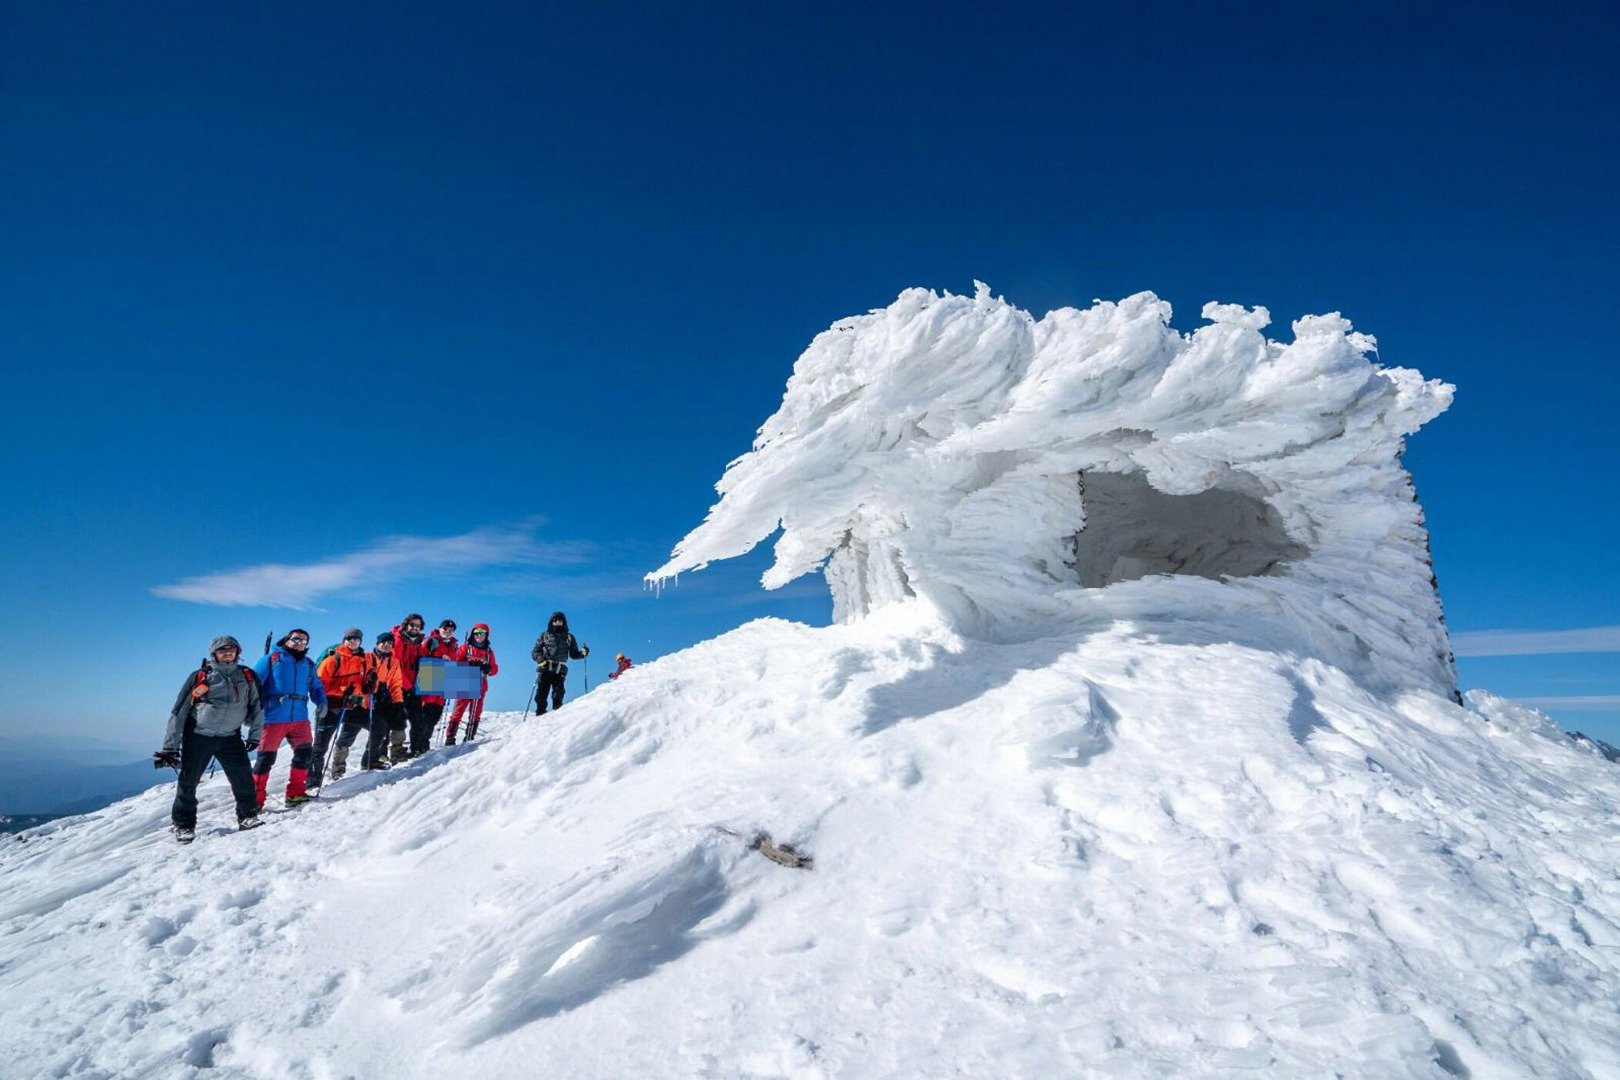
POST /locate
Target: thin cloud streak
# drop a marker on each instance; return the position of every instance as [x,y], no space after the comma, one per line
[1592,639]
[298,586]
[1589,703]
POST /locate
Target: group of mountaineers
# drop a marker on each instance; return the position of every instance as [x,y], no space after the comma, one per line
[352,691]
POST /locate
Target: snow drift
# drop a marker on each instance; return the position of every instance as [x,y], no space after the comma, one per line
[1138,811]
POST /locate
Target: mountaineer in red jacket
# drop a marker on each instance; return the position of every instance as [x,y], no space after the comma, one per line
[409,647]
[440,645]
[476,651]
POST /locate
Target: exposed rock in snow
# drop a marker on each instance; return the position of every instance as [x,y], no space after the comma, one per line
[1011,470]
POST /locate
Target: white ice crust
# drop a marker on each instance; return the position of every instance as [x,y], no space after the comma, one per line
[1010,470]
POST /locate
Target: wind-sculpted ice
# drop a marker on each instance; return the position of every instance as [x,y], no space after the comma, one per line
[1010,470]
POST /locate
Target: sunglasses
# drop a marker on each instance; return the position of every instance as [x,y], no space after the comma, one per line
[480,633]
[298,641]
[352,637]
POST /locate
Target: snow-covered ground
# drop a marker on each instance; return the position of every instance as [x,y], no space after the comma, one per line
[1135,752]
[1096,853]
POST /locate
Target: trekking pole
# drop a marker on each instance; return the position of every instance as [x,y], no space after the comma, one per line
[586,665]
[331,744]
[532,691]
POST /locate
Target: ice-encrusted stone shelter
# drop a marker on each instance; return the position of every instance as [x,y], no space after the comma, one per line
[1097,463]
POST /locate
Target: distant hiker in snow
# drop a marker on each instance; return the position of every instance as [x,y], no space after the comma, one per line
[206,725]
[441,645]
[343,674]
[624,666]
[409,648]
[476,651]
[381,682]
[288,683]
[551,653]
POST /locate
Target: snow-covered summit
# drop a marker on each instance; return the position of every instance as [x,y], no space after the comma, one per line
[1211,808]
[1009,470]
[1066,856]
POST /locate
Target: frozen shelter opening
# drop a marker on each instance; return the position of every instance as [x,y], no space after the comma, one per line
[1133,530]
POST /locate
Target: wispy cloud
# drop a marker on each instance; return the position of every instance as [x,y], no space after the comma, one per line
[1589,703]
[1591,639]
[395,558]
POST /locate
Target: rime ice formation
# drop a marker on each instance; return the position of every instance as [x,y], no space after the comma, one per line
[1008,469]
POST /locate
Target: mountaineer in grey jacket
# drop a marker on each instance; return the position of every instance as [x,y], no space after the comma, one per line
[206,724]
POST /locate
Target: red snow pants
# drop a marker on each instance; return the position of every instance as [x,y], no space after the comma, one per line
[298,734]
[477,712]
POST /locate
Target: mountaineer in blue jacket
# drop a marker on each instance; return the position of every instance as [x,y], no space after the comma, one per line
[287,683]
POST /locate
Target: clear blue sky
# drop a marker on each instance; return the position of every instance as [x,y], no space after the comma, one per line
[278,283]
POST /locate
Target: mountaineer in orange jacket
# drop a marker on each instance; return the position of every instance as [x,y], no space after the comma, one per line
[343,674]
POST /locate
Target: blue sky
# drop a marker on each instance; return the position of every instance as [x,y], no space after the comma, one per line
[280,286]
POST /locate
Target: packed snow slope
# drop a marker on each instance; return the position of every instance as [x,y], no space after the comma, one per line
[1093,853]
[1135,751]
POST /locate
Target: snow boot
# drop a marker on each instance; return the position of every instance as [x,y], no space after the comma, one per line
[397,754]
[340,762]
[253,821]
[185,833]
[298,800]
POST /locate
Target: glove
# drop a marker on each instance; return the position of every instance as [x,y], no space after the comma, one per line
[585,650]
[250,745]
[369,683]
[544,665]
[351,700]
[483,665]
[169,759]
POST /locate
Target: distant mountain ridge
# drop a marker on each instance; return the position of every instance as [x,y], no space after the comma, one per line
[53,784]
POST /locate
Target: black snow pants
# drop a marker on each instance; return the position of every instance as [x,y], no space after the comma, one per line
[551,681]
[411,707]
[196,751]
[423,720]
[334,719]
[386,716]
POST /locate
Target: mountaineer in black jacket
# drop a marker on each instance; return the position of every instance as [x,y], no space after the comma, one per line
[551,653]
